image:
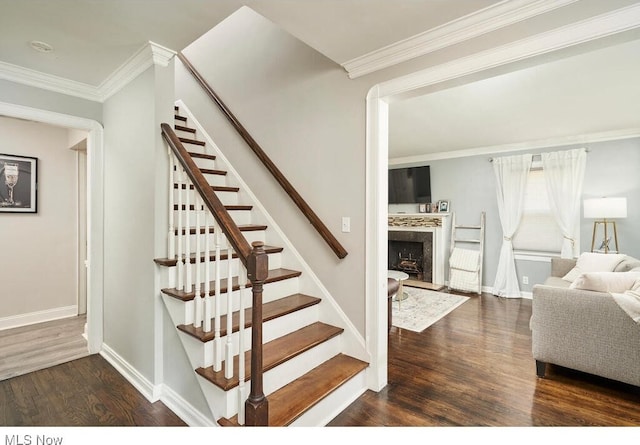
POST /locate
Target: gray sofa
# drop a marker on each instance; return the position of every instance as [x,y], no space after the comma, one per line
[584,330]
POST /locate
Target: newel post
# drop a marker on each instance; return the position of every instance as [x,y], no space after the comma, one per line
[257,406]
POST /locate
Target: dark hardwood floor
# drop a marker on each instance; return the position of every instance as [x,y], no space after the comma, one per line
[83,392]
[474,368]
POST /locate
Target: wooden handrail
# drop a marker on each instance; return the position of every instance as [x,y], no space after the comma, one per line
[220,213]
[315,221]
[254,259]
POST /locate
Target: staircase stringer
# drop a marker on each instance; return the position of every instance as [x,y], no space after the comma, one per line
[330,312]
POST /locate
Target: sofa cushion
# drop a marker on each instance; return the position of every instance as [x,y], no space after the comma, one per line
[594,262]
[627,264]
[606,281]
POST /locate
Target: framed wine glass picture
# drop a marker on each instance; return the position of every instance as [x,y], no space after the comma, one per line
[18,184]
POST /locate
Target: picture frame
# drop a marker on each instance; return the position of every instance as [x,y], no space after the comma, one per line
[422,208]
[18,184]
[443,205]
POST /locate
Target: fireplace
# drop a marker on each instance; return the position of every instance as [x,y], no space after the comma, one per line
[412,253]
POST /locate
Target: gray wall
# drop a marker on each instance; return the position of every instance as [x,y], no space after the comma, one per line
[469,184]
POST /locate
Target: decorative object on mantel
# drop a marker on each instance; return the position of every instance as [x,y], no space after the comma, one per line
[423,308]
[604,210]
[18,184]
[443,205]
[414,221]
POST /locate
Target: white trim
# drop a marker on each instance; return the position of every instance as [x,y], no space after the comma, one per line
[585,31]
[95,211]
[183,409]
[149,54]
[150,391]
[539,257]
[32,78]
[15,321]
[377,150]
[481,22]
[613,135]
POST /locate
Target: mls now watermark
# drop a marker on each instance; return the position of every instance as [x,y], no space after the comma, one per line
[28,439]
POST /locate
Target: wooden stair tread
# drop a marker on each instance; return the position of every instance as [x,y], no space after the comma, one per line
[202,156]
[242,227]
[275,352]
[270,311]
[192,141]
[170,262]
[180,118]
[294,399]
[210,171]
[183,128]
[215,188]
[274,276]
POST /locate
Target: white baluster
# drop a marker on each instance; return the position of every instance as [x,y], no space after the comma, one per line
[217,341]
[228,367]
[207,273]
[242,389]
[198,296]
[171,239]
[180,262]
[188,281]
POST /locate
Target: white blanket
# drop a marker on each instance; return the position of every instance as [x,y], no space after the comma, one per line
[465,259]
[629,301]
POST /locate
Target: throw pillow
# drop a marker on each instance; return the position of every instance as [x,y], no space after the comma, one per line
[616,282]
[594,262]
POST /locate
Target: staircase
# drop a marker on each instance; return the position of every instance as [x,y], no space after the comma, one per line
[309,371]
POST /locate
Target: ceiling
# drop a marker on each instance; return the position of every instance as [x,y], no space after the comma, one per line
[349,32]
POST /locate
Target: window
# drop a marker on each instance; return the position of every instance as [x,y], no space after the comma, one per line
[538,231]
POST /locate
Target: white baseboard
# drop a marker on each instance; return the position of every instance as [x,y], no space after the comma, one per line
[150,391]
[15,321]
[183,409]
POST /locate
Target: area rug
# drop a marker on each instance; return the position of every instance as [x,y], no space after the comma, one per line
[421,308]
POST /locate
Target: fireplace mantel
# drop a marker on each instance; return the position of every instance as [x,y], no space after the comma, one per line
[438,223]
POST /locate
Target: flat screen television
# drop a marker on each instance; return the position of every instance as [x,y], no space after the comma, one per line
[410,185]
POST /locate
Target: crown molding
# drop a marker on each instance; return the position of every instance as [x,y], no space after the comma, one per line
[148,55]
[591,138]
[486,20]
[604,25]
[32,78]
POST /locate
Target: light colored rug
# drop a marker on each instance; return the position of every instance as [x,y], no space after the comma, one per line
[422,308]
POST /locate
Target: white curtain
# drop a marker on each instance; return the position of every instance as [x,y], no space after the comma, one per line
[511,177]
[564,176]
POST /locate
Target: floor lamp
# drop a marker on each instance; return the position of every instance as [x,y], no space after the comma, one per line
[603,210]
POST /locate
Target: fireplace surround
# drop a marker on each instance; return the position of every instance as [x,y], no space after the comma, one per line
[417,245]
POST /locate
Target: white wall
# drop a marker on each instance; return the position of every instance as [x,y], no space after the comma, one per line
[38,265]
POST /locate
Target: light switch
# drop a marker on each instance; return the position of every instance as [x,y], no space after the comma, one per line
[346,224]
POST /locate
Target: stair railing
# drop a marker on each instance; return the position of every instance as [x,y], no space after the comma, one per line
[315,221]
[253,266]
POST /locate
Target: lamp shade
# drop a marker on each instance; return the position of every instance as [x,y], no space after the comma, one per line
[605,208]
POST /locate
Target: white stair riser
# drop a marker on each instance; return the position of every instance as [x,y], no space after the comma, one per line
[183,312]
[189,243]
[296,367]
[226,197]
[202,353]
[273,379]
